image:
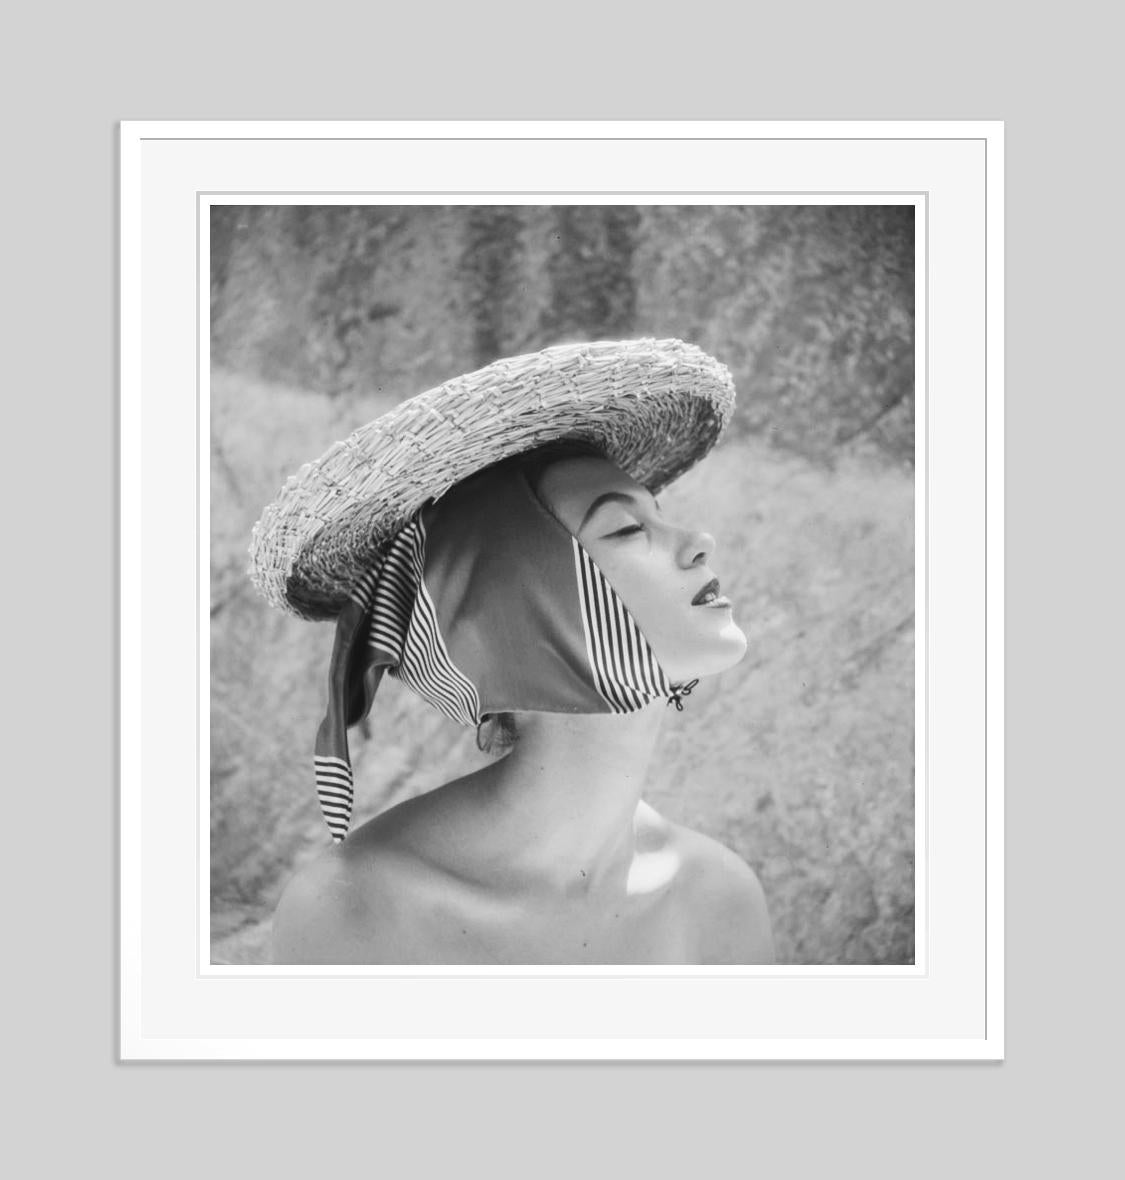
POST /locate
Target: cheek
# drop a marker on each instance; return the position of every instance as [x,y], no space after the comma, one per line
[654,599]
[687,640]
[654,608]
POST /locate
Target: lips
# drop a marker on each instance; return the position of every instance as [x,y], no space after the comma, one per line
[711,590]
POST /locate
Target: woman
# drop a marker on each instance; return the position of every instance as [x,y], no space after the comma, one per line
[546,596]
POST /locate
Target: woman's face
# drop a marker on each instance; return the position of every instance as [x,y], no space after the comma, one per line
[659,568]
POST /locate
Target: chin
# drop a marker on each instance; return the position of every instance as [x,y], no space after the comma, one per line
[719,653]
[734,646]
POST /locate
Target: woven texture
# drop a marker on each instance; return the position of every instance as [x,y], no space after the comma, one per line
[656,407]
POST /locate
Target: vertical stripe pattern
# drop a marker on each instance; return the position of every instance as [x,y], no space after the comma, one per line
[404,623]
[624,667]
[394,590]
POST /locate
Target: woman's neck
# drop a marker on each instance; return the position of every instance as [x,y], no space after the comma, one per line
[564,800]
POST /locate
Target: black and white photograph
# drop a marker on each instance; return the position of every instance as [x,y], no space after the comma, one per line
[563,588]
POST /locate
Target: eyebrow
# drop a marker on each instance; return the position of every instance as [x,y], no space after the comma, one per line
[611,497]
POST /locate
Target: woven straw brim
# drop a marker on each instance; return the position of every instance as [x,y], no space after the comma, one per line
[656,407]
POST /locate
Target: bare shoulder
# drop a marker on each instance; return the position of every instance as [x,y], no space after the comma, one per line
[724,899]
[324,913]
[347,904]
[370,898]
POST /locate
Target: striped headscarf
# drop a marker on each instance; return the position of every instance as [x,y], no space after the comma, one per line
[485,603]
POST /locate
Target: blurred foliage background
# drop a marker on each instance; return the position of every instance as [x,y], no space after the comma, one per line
[801,758]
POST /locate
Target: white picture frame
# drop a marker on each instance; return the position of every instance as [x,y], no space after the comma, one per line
[174,1003]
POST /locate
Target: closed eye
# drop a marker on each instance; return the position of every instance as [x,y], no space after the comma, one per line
[633,528]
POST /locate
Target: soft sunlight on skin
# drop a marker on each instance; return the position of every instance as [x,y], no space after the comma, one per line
[655,565]
[651,871]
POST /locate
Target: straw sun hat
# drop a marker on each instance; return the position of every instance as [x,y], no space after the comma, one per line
[655,407]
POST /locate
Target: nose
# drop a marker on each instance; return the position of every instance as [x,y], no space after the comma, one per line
[695,547]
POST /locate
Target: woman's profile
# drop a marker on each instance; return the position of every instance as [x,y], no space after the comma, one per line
[499,546]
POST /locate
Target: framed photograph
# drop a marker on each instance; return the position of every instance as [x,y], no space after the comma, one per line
[350,349]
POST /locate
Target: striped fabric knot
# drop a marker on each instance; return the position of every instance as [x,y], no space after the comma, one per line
[624,666]
[334,790]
